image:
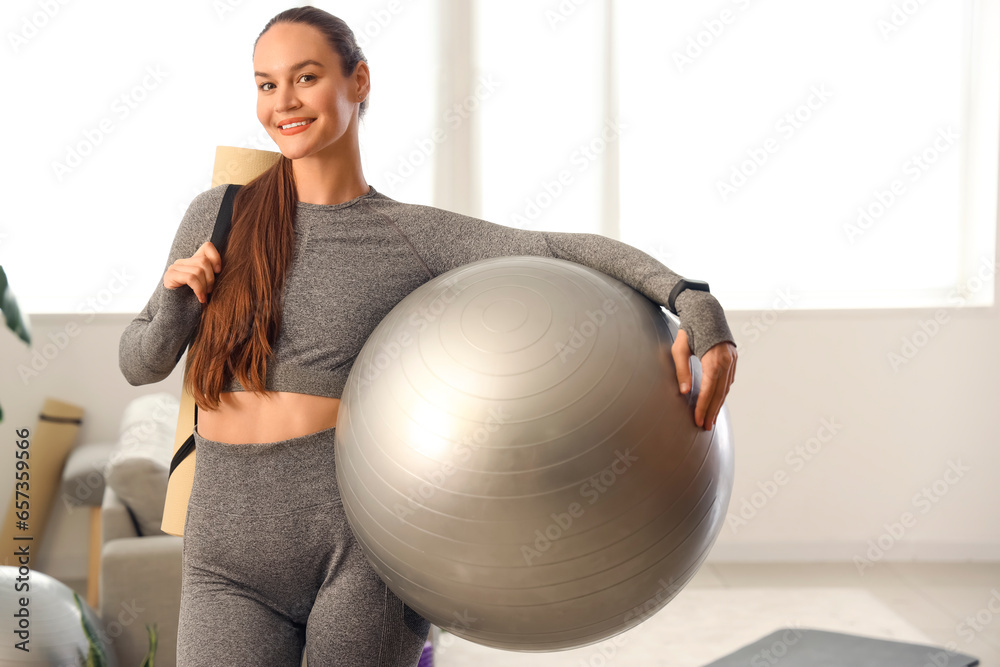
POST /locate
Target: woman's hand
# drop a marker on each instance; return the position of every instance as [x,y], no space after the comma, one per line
[718,372]
[197,271]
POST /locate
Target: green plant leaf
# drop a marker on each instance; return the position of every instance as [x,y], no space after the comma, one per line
[96,656]
[11,313]
[148,662]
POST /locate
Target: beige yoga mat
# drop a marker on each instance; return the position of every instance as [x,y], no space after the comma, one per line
[232,165]
[37,473]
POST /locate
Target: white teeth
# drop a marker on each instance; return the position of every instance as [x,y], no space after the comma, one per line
[301,122]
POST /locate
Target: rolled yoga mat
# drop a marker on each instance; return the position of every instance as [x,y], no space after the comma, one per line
[39,474]
[232,165]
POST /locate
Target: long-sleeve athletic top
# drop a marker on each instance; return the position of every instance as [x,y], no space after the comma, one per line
[354,261]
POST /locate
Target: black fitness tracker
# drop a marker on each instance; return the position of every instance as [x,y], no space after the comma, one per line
[682,285]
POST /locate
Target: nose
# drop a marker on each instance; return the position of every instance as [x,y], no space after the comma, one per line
[285,100]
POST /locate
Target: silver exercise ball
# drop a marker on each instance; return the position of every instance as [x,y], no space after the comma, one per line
[516,459]
[48,623]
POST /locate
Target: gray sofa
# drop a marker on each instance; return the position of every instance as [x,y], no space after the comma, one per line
[140,584]
[134,574]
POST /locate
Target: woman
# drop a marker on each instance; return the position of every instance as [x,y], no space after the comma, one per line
[315,259]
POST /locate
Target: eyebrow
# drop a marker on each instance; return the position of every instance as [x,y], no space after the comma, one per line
[294,67]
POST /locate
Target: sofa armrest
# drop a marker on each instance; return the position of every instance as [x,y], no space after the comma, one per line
[140,585]
[116,522]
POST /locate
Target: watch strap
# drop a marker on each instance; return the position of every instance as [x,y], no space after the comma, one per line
[682,285]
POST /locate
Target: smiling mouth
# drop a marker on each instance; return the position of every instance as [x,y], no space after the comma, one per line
[297,124]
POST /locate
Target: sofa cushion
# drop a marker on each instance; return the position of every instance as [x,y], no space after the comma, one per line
[84,472]
[139,465]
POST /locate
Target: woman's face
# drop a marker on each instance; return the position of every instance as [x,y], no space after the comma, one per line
[317,91]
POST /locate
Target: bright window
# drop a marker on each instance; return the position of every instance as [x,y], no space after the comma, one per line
[845,153]
[113,118]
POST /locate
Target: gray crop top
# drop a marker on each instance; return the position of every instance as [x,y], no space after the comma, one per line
[354,261]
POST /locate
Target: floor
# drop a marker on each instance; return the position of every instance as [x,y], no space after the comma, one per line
[955,603]
[950,603]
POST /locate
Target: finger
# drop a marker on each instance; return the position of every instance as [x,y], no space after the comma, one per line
[207,275]
[681,353]
[717,398]
[202,262]
[720,395]
[715,376]
[192,276]
[708,382]
[176,275]
[196,281]
[212,253]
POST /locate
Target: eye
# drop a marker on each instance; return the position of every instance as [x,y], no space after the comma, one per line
[266,83]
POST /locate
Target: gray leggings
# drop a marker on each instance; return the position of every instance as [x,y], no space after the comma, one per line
[270,565]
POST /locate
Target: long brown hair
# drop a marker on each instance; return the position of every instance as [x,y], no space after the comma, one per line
[242,319]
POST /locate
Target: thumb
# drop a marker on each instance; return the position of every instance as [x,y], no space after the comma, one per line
[681,353]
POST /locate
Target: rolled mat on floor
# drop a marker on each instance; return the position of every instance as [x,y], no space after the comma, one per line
[37,472]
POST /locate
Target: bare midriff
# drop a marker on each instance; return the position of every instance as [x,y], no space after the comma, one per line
[244,417]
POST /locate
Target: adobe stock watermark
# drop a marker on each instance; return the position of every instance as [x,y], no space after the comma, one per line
[914,167]
[797,457]
[664,593]
[582,157]
[659,250]
[604,652]
[469,443]
[223,8]
[258,140]
[420,317]
[899,16]
[592,489]
[927,329]
[578,336]
[122,107]
[164,414]
[762,322]
[463,621]
[562,12]
[110,630]
[711,31]
[60,340]
[787,126]
[923,501]
[31,25]
[778,649]
[424,149]
[967,629]
[107,629]
[978,622]
[379,21]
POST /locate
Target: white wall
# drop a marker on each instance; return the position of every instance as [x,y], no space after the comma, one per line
[894,433]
